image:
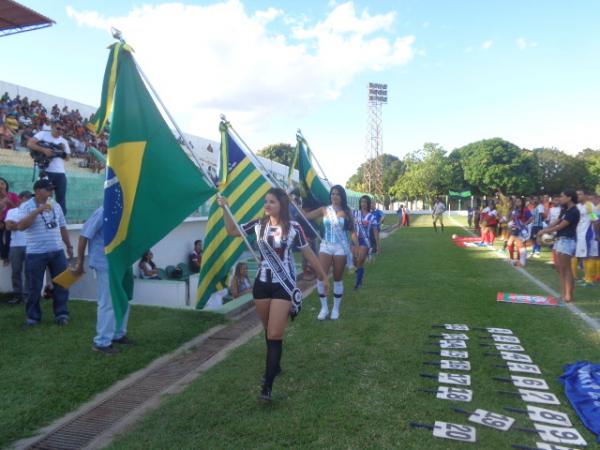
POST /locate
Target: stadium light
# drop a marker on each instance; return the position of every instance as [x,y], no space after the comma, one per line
[378,93]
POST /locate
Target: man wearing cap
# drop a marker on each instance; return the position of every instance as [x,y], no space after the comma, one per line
[45,232]
[56,169]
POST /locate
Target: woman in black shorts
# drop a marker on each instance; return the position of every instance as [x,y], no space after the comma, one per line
[277,236]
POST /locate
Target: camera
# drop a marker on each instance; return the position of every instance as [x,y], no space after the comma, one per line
[51,225]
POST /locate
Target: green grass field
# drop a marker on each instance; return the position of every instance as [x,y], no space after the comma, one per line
[355,383]
[49,371]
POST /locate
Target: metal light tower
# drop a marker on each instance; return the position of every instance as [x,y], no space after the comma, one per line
[374,141]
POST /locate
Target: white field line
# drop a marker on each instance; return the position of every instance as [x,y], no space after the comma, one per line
[593,323]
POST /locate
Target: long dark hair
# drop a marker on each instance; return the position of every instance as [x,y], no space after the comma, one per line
[6,183]
[572,194]
[368,200]
[349,222]
[146,260]
[284,210]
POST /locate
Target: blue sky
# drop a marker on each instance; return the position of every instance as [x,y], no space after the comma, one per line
[457,71]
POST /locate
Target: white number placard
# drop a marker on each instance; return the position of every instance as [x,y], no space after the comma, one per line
[506,339]
[446,343]
[560,435]
[455,394]
[454,431]
[549,416]
[455,336]
[455,365]
[454,378]
[456,327]
[523,368]
[455,354]
[510,347]
[529,383]
[545,446]
[546,398]
[518,357]
[499,331]
[491,419]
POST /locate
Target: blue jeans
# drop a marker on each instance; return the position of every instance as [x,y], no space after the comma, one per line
[105,322]
[59,180]
[35,266]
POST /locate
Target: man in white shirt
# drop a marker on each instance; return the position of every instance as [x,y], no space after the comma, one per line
[438,214]
[17,253]
[56,169]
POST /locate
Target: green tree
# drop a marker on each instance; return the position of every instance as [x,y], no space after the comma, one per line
[392,169]
[282,153]
[495,163]
[591,159]
[557,171]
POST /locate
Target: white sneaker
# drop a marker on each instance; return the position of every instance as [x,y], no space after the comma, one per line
[335,314]
[324,313]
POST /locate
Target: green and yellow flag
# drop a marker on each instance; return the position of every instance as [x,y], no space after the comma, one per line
[245,187]
[314,191]
[151,184]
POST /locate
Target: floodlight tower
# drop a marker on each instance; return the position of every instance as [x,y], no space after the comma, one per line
[374,140]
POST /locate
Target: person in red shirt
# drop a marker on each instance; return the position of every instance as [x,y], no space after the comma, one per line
[8,200]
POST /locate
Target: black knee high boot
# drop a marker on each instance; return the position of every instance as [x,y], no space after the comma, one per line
[273,358]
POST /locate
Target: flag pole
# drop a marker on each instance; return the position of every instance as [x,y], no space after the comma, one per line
[270,177]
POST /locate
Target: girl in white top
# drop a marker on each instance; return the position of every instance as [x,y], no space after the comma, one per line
[335,248]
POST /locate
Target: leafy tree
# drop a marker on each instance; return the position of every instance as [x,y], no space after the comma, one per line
[392,169]
[591,159]
[557,171]
[495,163]
[281,153]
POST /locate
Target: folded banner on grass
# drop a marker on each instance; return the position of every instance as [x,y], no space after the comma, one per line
[464,241]
[538,300]
[582,387]
[244,186]
[151,185]
[313,190]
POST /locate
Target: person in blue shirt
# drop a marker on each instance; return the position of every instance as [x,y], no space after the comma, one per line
[106,335]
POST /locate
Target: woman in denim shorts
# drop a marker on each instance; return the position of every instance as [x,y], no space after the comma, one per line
[565,228]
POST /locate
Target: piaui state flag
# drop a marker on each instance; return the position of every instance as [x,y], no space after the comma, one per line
[311,186]
[151,185]
[245,187]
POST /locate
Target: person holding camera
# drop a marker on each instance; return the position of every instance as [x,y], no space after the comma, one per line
[55,171]
[45,233]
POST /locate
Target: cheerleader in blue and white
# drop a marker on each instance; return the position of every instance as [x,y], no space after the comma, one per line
[338,223]
[366,225]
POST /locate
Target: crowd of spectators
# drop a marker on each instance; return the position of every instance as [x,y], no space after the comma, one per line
[21,119]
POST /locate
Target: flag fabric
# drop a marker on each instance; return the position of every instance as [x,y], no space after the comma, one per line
[463,194]
[151,185]
[582,387]
[244,186]
[312,188]
[108,87]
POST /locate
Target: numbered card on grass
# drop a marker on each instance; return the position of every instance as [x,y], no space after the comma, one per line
[517,357]
[499,330]
[491,419]
[454,378]
[454,394]
[529,383]
[549,416]
[454,354]
[454,431]
[523,368]
[444,343]
[545,446]
[510,347]
[451,364]
[560,435]
[546,398]
[455,336]
[505,339]
[456,327]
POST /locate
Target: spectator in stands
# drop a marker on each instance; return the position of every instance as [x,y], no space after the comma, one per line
[7,138]
[17,251]
[45,232]
[240,283]
[8,200]
[147,268]
[195,259]
[56,168]
[106,335]
[26,134]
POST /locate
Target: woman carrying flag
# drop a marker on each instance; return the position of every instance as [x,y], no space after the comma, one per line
[275,293]
[335,248]
[365,223]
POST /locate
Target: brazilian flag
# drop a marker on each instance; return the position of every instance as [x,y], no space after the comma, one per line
[314,191]
[151,184]
[245,187]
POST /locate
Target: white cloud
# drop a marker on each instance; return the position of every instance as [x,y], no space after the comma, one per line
[524,44]
[206,60]
[487,44]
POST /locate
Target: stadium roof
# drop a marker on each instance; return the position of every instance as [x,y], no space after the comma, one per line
[16,18]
